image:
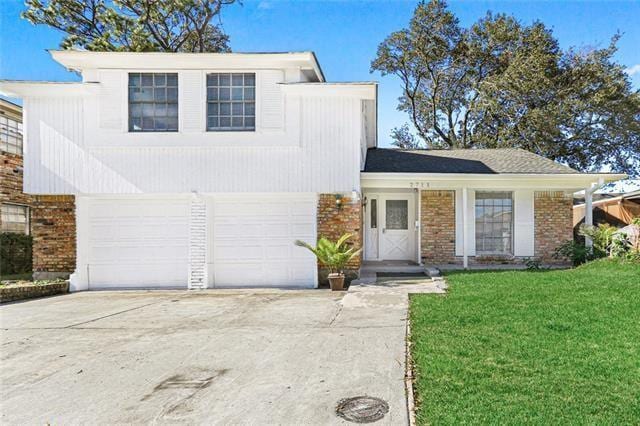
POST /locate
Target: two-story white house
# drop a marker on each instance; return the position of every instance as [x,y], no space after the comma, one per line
[201,170]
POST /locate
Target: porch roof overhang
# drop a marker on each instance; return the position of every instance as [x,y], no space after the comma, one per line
[552,181]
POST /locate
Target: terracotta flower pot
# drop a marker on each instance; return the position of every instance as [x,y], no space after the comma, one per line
[336,281]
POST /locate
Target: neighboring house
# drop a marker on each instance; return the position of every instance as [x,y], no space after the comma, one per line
[49,219]
[14,204]
[200,170]
[613,208]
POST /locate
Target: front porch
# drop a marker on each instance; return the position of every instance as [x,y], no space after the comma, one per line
[497,226]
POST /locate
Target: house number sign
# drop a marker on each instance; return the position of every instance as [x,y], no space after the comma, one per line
[418,185]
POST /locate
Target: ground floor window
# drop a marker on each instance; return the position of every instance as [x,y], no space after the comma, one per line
[494,222]
[15,218]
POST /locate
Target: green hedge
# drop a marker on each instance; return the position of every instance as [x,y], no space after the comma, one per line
[15,253]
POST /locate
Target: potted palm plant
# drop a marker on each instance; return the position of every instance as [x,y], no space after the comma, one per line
[334,256]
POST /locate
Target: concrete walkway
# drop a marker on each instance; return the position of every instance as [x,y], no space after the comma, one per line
[214,357]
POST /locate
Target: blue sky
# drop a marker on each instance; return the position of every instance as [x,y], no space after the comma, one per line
[344,35]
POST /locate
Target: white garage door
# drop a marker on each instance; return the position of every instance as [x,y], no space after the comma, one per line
[137,243]
[252,240]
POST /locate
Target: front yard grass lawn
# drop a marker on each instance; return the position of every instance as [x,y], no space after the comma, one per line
[541,347]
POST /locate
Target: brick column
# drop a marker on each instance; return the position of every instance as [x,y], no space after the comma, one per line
[53,226]
[198,244]
[438,226]
[553,218]
[334,221]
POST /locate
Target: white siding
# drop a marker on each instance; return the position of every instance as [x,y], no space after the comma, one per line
[55,158]
[316,151]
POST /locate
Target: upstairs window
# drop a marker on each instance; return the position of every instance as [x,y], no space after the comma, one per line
[231,102]
[10,135]
[153,102]
[494,223]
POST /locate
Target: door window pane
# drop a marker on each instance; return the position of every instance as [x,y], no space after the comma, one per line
[494,222]
[397,214]
[374,213]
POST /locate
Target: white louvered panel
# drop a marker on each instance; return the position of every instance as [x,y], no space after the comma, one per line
[112,98]
[271,100]
[191,101]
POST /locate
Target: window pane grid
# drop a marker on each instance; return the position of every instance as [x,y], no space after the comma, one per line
[494,222]
[153,102]
[10,135]
[231,101]
[15,218]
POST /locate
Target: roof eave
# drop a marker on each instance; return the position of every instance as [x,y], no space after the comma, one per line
[76,60]
[606,177]
[26,89]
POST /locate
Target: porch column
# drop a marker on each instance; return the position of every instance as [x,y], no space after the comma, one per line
[465,220]
[588,207]
[588,214]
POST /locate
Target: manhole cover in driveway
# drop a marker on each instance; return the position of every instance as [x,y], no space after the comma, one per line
[362,409]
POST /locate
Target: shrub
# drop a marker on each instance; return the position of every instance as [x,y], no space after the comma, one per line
[608,241]
[532,264]
[620,245]
[602,237]
[15,253]
[577,252]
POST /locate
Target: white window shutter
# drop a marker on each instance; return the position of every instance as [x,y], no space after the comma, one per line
[191,99]
[113,95]
[271,100]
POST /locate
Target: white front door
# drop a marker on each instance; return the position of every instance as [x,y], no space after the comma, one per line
[397,227]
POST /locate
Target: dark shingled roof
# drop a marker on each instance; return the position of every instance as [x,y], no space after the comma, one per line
[482,161]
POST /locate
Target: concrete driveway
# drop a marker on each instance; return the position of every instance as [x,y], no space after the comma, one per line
[215,357]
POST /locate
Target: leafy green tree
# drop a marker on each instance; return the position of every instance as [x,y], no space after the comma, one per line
[501,83]
[134,25]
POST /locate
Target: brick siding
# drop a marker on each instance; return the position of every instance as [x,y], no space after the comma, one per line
[334,221]
[11,176]
[53,226]
[438,226]
[553,218]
